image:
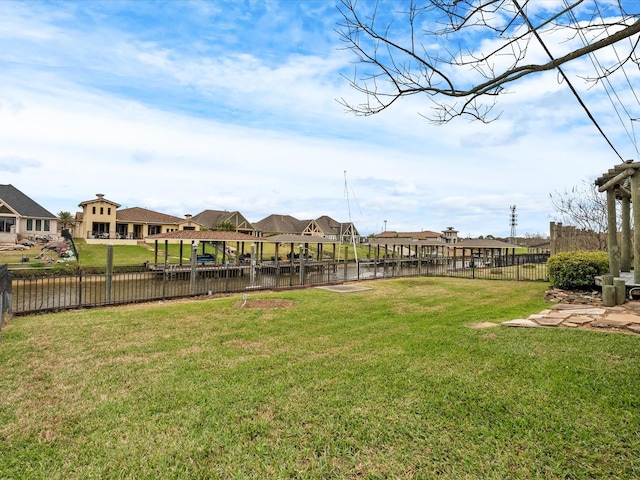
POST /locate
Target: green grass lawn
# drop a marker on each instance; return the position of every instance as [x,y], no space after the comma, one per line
[391,382]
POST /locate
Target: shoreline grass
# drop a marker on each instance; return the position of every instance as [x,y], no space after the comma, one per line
[386,383]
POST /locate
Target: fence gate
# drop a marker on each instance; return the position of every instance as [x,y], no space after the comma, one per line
[5,294]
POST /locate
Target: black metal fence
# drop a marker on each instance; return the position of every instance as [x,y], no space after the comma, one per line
[5,293]
[58,292]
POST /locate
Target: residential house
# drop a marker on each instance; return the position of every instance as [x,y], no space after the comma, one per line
[450,235]
[97,219]
[137,222]
[101,219]
[325,227]
[233,221]
[423,235]
[334,230]
[276,224]
[21,217]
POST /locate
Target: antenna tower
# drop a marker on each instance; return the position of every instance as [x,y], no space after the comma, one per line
[513,221]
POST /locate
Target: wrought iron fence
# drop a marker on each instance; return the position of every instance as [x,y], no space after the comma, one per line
[5,293]
[59,292]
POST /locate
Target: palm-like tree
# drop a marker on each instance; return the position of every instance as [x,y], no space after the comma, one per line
[65,219]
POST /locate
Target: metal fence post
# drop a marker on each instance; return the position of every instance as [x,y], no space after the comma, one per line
[1,312]
[192,277]
[346,263]
[109,274]
[301,255]
[79,288]
[164,269]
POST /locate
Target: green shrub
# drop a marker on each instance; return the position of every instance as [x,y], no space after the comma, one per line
[576,269]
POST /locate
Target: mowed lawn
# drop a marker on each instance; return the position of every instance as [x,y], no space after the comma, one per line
[391,382]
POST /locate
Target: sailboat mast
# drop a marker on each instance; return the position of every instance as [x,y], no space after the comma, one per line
[353,237]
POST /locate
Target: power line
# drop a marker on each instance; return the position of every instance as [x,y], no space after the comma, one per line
[571,87]
[602,74]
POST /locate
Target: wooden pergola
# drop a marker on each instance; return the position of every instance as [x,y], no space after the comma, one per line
[622,182]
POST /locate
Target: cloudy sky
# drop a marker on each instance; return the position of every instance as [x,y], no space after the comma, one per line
[182,106]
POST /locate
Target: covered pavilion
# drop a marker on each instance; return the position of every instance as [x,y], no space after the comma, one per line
[225,242]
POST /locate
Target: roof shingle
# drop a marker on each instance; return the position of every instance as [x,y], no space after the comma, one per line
[22,204]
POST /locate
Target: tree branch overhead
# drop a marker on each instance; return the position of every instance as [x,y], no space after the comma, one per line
[463,54]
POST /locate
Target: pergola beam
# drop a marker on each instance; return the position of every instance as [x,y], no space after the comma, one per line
[617,180]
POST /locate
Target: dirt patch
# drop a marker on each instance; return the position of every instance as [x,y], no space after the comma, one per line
[417,283]
[484,325]
[266,303]
[344,288]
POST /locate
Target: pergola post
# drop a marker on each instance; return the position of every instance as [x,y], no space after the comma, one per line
[625,248]
[622,181]
[635,199]
[612,234]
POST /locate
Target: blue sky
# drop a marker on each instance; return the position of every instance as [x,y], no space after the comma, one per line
[181,106]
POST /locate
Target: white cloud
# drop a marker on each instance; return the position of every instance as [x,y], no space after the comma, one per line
[181,127]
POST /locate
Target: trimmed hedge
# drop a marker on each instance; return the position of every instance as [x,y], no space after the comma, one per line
[576,269]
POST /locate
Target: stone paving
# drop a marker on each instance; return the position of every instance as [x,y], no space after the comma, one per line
[624,318]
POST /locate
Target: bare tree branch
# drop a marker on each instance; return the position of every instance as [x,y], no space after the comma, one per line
[411,52]
[584,208]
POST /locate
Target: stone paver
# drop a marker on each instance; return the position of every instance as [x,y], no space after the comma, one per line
[520,322]
[548,321]
[581,319]
[618,318]
[624,317]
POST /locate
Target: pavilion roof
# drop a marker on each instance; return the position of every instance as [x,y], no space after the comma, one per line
[408,241]
[205,236]
[285,238]
[226,236]
[482,243]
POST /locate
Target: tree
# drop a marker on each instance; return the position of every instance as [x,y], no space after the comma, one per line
[65,219]
[585,208]
[463,54]
[226,226]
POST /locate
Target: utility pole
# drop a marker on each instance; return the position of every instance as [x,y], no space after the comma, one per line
[513,222]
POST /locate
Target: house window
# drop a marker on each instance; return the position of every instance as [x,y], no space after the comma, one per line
[29,224]
[93,210]
[38,225]
[47,225]
[154,229]
[101,210]
[109,211]
[6,223]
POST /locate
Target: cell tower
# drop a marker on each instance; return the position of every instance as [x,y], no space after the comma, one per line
[513,221]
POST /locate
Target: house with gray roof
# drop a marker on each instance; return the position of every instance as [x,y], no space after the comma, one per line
[276,224]
[214,219]
[22,217]
[334,230]
[325,227]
